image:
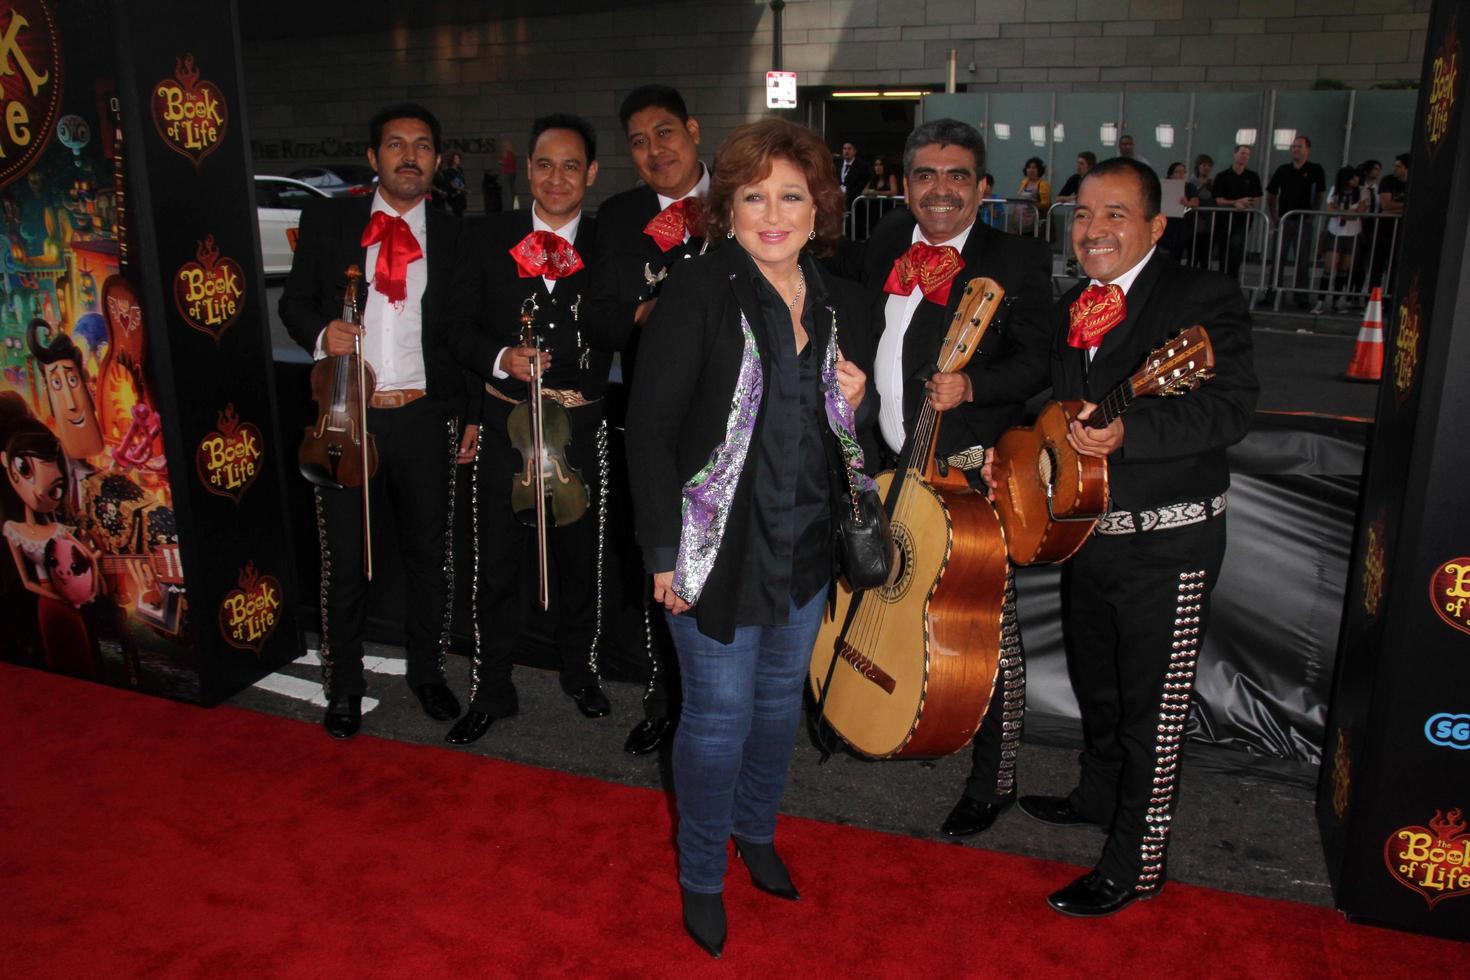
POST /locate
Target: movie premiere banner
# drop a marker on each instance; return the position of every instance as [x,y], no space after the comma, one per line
[142,500]
[1394,795]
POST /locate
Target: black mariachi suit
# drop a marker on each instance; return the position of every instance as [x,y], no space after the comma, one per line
[1009,367]
[1137,604]
[487,299]
[623,261]
[415,446]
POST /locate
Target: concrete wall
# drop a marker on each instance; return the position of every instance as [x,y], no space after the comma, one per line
[310,97]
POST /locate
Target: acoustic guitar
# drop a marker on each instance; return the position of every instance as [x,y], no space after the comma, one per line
[906,670]
[1048,495]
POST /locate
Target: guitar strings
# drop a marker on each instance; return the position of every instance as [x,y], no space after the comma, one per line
[870,620]
[868,624]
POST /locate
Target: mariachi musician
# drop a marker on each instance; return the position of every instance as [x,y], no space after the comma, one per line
[532,262]
[407,255]
[1138,591]
[643,233]
[915,266]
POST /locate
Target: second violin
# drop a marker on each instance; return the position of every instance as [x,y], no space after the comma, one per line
[547,488]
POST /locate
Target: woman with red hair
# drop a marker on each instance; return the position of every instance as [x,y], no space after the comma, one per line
[743,426]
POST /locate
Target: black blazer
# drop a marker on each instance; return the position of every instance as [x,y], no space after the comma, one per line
[330,241]
[620,262]
[1173,448]
[1011,363]
[488,291]
[681,402]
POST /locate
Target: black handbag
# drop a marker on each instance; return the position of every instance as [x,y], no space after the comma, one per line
[866,554]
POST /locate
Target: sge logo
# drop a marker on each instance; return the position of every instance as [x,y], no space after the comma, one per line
[1449,730]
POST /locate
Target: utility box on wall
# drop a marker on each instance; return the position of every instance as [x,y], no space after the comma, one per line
[142,503]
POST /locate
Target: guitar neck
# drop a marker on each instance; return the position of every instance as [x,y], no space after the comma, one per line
[1113,405]
[1177,366]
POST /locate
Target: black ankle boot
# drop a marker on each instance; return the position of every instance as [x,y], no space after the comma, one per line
[704,920]
[767,872]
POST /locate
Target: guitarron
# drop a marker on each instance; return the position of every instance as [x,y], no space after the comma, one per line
[1049,496]
[908,668]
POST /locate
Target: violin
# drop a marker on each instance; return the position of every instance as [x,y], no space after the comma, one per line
[337,450]
[546,485]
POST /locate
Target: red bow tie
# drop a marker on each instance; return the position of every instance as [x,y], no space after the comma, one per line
[1098,310]
[932,267]
[545,253]
[669,226]
[396,249]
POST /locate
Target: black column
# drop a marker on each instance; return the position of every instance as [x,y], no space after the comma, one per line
[1394,794]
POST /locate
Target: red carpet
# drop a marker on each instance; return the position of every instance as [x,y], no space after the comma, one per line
[140,837]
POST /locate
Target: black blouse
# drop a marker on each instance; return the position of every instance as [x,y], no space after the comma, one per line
[789,540]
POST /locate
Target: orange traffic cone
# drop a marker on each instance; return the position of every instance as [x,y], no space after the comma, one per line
[1367,362]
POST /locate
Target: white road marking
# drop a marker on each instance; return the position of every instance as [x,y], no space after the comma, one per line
[311,691]
[396,666]
[303,690]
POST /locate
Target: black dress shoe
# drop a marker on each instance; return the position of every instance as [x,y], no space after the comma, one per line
[438,700]
[767,871]
[591,701]
[344,715]
[1093,896]
[469,728]
[648,735]
[970,817]
[1056,810]
[704,920]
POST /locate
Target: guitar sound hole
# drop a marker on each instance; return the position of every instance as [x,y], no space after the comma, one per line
[903,570]
[1046,467]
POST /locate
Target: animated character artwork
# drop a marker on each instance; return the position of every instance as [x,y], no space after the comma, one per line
[94,585]
[51,562]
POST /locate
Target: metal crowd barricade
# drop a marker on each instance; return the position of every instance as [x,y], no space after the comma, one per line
[1059,230]
[1226,239]
[1304,246]
[866,212]
[1017,215]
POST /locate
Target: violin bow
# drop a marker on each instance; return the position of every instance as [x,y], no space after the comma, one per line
[351,314]
[538,450]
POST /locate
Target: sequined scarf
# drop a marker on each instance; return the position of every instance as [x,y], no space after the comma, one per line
[710,492]
[841,416]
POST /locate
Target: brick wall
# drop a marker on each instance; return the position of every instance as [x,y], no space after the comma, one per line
[487,78]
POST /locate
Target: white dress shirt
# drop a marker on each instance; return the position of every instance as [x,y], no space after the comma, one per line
[392,342]
[888,363]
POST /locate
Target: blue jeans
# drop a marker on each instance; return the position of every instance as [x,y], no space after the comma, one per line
[732,749]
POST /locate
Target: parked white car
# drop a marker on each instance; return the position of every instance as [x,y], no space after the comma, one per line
[278,204]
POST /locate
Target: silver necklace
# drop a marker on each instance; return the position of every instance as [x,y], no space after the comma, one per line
[800,285]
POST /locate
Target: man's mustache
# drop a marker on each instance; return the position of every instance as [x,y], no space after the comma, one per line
[941,202]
